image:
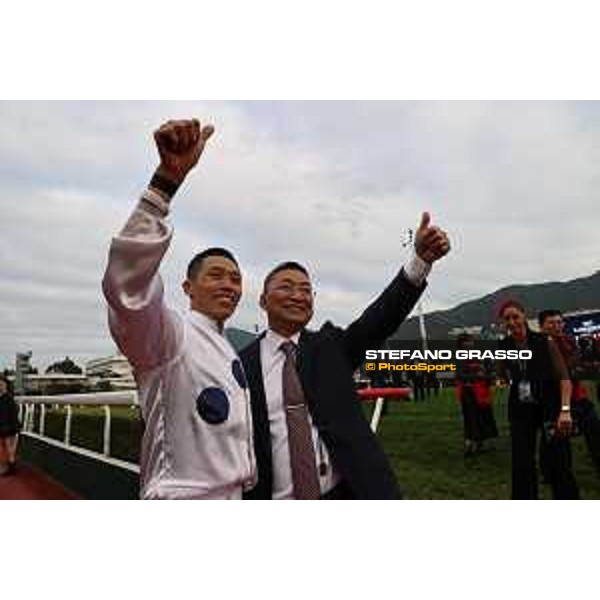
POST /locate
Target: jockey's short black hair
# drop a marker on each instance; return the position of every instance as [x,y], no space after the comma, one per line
[196,263]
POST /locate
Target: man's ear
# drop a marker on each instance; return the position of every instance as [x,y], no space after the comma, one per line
[262,301]
[187,288]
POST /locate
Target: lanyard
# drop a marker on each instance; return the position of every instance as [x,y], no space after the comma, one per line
[523,364]
[523,368]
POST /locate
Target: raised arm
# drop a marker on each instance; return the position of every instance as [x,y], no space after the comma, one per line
[390,309]
[144,329]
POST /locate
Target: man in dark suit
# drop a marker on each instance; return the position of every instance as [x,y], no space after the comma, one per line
[311,437]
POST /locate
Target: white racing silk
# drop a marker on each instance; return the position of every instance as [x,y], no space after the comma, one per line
[197,441]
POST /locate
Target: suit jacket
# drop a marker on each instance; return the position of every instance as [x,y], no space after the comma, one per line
[326,360]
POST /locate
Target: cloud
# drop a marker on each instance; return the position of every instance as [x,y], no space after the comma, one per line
[334,185]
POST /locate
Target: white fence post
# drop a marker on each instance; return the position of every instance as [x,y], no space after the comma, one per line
[42,428]
[27,408]
[29,414]
[106,430]
[68,425]
[377,414]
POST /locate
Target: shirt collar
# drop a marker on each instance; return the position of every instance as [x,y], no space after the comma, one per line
[203,320]
[273,340]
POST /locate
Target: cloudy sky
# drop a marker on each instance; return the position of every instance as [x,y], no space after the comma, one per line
[332,184]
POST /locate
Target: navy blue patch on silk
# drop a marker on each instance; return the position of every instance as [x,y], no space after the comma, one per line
[213,405]
[238,373]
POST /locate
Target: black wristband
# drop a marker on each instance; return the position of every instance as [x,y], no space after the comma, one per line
[164,185]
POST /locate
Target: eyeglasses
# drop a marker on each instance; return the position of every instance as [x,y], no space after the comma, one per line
[289,289]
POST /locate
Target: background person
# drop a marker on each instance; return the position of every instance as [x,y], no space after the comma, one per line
[584,414]
[475,395]
[539,403]
[433,384]
[9,428]
[417,379]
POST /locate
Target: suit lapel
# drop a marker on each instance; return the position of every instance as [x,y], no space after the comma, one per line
[260,420]
[302,355]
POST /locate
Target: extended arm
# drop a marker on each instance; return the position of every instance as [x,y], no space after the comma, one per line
[383,317]
[144,329]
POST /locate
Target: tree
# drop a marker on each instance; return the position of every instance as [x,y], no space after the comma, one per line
[66,366]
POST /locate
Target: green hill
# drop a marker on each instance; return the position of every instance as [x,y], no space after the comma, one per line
[239,338]
[574,295]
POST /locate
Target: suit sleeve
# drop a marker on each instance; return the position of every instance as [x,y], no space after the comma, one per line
[387,312]
[146,331]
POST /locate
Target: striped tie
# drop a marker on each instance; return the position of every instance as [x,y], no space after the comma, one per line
[302,452]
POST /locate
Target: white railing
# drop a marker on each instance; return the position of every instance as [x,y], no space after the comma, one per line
[106,400]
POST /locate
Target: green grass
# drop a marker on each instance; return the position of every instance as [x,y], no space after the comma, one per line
[425,445]
[87,429]
[422,440]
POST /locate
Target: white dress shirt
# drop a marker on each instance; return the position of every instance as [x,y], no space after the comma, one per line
[272,359]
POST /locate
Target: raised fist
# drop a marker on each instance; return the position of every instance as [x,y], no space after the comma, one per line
[431,243]
[180,145]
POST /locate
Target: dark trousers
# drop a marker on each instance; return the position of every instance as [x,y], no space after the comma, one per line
[471,421]
[586,417]
[526,425]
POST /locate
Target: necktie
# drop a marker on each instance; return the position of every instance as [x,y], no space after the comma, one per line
[303,461]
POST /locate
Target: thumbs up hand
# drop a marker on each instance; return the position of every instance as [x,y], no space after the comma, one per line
[431,242]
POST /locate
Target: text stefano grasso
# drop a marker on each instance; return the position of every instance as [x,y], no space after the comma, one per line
[448,354]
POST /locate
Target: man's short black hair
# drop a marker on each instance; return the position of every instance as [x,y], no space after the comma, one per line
[196,263]
[546,314]
[289,265]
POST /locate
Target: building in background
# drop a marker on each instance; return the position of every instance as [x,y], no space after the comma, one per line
[52,384]
[28,381]
[110,373]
